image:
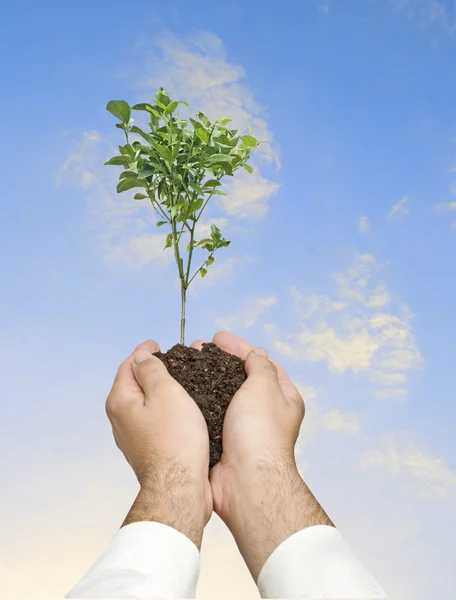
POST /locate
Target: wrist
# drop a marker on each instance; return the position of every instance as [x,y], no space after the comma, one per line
[174,499]
[272,503]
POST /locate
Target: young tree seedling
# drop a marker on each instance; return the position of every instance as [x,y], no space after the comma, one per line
[179,168]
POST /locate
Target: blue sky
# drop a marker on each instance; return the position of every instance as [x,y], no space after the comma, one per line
[342,263]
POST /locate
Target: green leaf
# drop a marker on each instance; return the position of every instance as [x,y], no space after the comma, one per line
[210,260]
[135,129]
[176,208]
[164,152]
[248,168]
[249,140]
[196,187]
[140,196]
[169,241]
[205,241]
[196,205]
[171,107]
[203,272]
[117,160]
[204,120]
[120,109]
[216,233]
[212,183]
[127,184]
[162,98]
[160,223]
[147,171]
[127,150]
[148,108]
[202,134]
[127,174]
[219,158]
[196,124]
[218,193]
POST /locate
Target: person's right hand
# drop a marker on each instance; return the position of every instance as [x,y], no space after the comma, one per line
[256,487]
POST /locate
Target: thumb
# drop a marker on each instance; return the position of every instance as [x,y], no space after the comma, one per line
[258,366]
[149,371]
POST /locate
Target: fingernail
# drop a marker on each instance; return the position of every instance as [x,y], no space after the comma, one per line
[261,352]
[141,355]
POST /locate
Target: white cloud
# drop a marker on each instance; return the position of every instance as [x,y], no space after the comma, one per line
[203,227]
[351,330]
[248,195]
[391,393]
[324,8]
[198,71]
[445,206]
[221,270]
[401,208]
[329,421]
[419,469]
[318,421]
[125,226]
[428,12]
[248,315]
[364,225]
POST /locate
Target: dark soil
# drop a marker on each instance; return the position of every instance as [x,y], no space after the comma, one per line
[211,377]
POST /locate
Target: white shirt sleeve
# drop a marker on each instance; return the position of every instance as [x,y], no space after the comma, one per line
[144,560]
[316,562]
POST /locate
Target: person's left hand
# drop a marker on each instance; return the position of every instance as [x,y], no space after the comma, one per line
[159,427]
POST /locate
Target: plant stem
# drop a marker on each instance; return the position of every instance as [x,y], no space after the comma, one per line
[190,252]
[181,275]
[183,298]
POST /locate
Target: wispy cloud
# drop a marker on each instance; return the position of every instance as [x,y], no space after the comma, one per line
[197,71]
[429,475]
[248,195]
[427,13]
[391,394]
[319,421]
[223,269]
[125,227]
[324,8]
[364,225]
[360,328]
[399,209]
[248,315]
[450,205]
[446,206]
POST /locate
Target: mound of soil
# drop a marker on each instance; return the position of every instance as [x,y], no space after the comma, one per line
[211,377]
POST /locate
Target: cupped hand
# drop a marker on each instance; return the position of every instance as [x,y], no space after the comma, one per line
[156,424]
[261,425]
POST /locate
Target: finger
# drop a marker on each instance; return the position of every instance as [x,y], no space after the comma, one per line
[151,373]
[233,344]
[125,379]
[198,344]
[149,345]
[260,368]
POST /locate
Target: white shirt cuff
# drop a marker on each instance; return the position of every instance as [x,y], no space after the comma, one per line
[144,560]
[316,562]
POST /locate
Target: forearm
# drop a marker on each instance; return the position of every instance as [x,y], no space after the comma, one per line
[173,498]
[281,505]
